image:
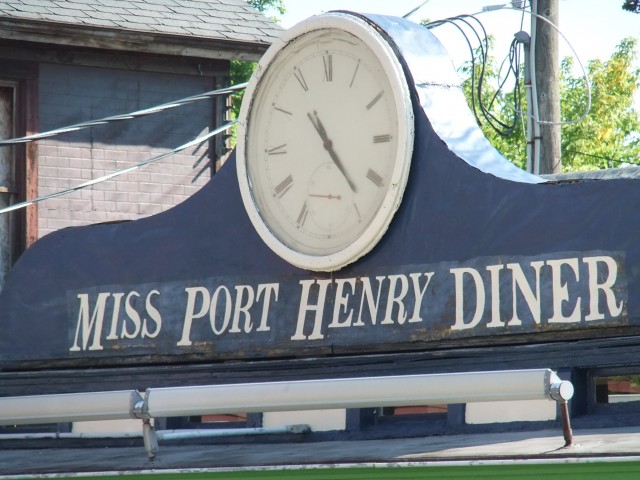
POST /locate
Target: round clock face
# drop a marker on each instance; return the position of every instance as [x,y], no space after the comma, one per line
[325,142]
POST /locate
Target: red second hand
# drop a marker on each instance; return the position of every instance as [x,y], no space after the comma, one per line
[329,196]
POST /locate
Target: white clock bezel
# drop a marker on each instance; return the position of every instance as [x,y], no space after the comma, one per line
[379,224]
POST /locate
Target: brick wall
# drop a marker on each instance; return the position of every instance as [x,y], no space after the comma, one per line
[71,94]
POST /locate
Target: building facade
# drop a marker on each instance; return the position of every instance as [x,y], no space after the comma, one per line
[98,58]
[469,278]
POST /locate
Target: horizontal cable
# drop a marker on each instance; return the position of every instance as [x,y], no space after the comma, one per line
[192,143]
[126,116]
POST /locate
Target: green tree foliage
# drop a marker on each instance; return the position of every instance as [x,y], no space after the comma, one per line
[241,71]
[608,137]
[264,6]
[631,6]
[480,87]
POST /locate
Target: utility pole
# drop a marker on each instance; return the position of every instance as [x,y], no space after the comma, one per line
[547,79]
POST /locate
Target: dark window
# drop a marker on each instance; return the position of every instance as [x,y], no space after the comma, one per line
[9,182]
[617,389]
[612,396]
[415,410]
[18,163]
[232,420]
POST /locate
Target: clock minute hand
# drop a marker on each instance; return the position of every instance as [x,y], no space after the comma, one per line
[318,126]
[328,146]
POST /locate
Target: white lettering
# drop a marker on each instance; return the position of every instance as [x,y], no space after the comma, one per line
[561,291]
[90,323]
[520,281]
[367,294]
[133,315]
[396,299]
[154,316]
[459,273]
[269,290]
[340,303]
[115,316]
[496,320]
[190,315]
[213,310]
[419,294]
[241,309]
[615,308]
[305,307]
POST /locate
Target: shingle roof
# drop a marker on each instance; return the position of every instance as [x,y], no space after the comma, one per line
[232,20]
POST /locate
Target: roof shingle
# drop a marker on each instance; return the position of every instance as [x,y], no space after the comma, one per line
[210,19]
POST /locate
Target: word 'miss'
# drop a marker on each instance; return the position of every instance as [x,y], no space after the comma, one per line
[134,324]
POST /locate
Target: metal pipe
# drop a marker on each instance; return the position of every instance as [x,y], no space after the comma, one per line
[566,424]
[365,392]
[68,407]
[225,432]
[362,392]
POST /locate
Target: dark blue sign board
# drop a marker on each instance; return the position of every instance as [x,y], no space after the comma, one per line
[471,256]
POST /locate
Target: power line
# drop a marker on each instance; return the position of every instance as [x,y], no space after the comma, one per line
[601,157]
[408,14]
[117,118]
[481,110]
[196,141]
[126,116]
[492,8]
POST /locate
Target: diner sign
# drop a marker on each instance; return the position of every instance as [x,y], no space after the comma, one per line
[417,303]
[478,254]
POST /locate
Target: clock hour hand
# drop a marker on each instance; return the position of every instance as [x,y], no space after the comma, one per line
[328,146]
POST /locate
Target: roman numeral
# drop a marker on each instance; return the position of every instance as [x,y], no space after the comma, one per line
[286,112]
[279,150]
[381,138]
[303,83]
[327,60]
[284,186]
[302,216]
[375,178]
[353,77]
[355,207]
[375,100]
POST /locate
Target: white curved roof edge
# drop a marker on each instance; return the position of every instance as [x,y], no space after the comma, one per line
[441,98]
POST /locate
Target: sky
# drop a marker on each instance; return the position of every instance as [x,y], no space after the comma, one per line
[593,27]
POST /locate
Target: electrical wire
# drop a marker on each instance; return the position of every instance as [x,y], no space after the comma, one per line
[483,111]
[478,84]
[477,101]
[471,54]
[408,14]
[514,67]
[585,75]
[498,125]
[195,142]
[126,116]
[601,157]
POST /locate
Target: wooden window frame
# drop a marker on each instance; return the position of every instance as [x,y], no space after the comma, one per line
[23,76]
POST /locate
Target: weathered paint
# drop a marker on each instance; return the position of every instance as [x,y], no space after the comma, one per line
[474,254]
[6,178]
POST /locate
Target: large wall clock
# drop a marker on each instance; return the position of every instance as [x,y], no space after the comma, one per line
[325,141]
